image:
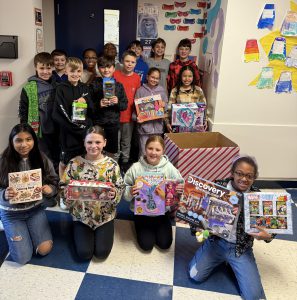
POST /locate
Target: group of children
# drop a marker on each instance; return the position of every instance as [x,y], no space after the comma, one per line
[91,129]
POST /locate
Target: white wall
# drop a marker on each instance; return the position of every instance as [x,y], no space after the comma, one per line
[20,17]
[263,123]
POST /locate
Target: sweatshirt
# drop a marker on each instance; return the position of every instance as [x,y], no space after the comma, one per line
[71,134]
[165,167]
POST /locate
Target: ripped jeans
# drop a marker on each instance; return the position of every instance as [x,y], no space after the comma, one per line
[25,231]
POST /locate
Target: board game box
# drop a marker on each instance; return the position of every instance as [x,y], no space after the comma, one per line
[270,210]
[207,205]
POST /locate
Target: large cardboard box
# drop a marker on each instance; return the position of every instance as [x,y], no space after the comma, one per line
[205,154]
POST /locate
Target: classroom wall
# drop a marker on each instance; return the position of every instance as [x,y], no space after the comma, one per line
[263,123]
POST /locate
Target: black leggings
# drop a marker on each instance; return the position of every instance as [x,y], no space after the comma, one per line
[153,230]
[89,242]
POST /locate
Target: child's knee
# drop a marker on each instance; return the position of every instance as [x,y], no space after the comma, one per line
[195,274]
[44,248]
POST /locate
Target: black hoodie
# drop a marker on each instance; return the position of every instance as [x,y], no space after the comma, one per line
[71,134]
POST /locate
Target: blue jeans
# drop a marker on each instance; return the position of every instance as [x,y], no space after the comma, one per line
[25,231]
[215,251]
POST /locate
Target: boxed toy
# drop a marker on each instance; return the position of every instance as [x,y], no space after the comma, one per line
[206,154]
[208,206]
[108,88]
[270,210]
[149,108]
[188,117]
[27,184]
[88,190]
[150,200]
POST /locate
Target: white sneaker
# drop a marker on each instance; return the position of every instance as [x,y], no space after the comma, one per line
[1,226]
[62,205]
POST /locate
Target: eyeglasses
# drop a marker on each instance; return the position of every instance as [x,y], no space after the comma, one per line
[90,58]
[247,176]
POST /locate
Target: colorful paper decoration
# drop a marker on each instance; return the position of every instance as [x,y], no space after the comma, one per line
[201,4]
[183,28]
[189,21]
[251,52]
[284,84]
[169,14]
[182,13]
[167,7]
[180,4]
[278,49]
[291,60]
[198,35]
[169,27]
[194,11]
[175,21]
[289,27]
[267,17]
[266,78]
[201,21]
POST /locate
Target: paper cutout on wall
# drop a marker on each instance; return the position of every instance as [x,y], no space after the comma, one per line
[189,21]
[278,49]
[284,84]
[251,52]
[291,60]
[167,7]
[172,14]
[169,27]
[198,35]
[266,79]
[267,17]
[183,28]
[201,4]
[182,13]
[175,21]
[193,41]
[289,27]
[195,11]
[201,21]
[180,4]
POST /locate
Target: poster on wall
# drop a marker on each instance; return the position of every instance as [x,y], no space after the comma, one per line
[39,40]
[38,16]
[147,21]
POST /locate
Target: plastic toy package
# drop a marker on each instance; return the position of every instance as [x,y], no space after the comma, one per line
[108,88]
[79,112]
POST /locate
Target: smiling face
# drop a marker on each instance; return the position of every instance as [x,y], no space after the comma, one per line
[59,62]
[187,78]
[129,63]
[184,53]
[137,50]
[23,143]
[154,152]
[90,59]
[153,79]
[44,71]
[107,71]
[244,176]
[94,144]
[159,50]
[74,74]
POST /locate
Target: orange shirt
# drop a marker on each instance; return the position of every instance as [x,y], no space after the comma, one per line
[131,84]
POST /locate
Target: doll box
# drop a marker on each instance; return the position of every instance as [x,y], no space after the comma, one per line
[149,108]
[88,190]
[205,154]
[189,117]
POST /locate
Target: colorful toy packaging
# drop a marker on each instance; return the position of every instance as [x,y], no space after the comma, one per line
[151,198]
[79,112]
[88,190]
[108,88]
[270,210]
[208,206]
[188,117]
[27,184]
[149,108]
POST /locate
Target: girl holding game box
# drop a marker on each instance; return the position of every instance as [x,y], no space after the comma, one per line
[151,230]
[25,224]
[93,225]
[153,127]
[237,251]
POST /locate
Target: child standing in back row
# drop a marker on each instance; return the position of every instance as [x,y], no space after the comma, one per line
[59,57]
[154,127]
[183,49]
[185,91]
[131,82]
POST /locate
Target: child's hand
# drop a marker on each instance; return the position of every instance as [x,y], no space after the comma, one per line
[160,192]
[180,188]
[104,102]
[81,100]
[134,190]
[169,128]
[46,189]
[262,234]
[10,193]
[114,100]
[235,210]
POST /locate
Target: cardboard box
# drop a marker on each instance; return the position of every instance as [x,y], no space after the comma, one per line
[205,154]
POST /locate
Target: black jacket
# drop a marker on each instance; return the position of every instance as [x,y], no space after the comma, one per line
[107,115]
[71,134]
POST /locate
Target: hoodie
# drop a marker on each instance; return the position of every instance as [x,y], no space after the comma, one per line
[141,68]
[154,126]
[46,97]
[164,167]
[71,134]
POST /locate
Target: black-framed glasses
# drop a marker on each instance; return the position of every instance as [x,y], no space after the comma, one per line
[247,176]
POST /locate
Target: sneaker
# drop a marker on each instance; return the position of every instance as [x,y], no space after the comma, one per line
[62,204]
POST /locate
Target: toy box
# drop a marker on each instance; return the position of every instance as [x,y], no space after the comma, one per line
[188,117]
[27,184]
[149,108]
[270,210]
[88,190]
[150,200]
[209,206]
[108,88]
[206,154]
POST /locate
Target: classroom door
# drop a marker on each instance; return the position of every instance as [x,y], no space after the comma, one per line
[80,24]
